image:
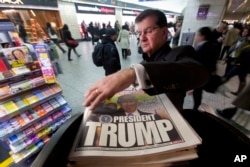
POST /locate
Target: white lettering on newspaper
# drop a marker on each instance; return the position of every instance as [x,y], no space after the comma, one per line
[128,131]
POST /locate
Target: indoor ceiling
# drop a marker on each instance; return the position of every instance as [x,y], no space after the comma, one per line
[235,8]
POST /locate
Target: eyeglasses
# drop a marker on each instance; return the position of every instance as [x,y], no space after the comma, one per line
[147,31]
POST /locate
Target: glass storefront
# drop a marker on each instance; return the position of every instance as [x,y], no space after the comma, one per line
[34,21]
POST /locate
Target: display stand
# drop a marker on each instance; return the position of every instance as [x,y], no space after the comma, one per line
[7,34]
[32,106]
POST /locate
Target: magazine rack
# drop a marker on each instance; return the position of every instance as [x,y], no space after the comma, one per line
[31,110]
[56,151]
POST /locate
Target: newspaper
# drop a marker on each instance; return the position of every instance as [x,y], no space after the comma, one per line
[156,131]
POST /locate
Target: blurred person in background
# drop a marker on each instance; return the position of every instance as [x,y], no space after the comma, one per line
[84,30]
[123,39]
[53,36]
[67,36]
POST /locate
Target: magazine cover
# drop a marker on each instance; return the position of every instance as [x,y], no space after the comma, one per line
[132,124]
[17,56]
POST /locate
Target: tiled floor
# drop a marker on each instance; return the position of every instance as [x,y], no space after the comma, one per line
[80,73]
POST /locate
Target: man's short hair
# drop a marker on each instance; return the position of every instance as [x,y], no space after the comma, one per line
[161,19]
[109,32]
[125,98]
[206,32]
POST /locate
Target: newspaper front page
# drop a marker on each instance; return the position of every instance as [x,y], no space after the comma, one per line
[155,130]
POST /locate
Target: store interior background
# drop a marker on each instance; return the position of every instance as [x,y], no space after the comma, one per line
[236,10]
[41,17]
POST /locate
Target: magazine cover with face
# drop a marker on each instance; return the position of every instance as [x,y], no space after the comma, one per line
[130,125]
[18,56]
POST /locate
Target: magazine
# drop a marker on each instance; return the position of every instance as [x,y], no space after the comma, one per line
[17,56]
[155,134]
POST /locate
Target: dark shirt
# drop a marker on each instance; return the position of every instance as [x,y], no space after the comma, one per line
[205,54]
[214,39]
[179,73]
[102,32]
[22,31]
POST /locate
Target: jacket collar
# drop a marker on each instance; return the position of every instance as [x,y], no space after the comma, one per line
[158,55]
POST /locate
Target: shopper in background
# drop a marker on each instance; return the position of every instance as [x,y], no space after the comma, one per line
[22,32]
[204,48]
[123,40]
[53,36]
[132,29]
[109,25]
[103,30]
[67,35]
[96,32]
[161,72]
[240,66]
[176,36]
[84,30]
[235,50]
[126,24]
[217,36]
[91,31]
[111,59]
[230,37]
[117,27]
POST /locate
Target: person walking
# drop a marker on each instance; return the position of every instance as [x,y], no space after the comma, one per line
[96,32]
[111,59]
[53,36]
[67,36]
[91,31]
[235,50]
[102,31]
[84,30]
[230,38]
[176,37]
[217,36]
[123,39]
[205,53]
[117,27]
[22,32]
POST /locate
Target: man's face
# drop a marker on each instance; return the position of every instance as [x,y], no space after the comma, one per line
[198,38]
[114,37]
[129,106]
[151,36]
[221,27]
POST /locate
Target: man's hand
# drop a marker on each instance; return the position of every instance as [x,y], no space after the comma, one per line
[108,86]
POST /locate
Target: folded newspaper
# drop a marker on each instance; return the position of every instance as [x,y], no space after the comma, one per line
[134,129]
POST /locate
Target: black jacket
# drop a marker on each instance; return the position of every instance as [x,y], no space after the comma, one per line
[206,54]
[111,61]
[177,72]
[67,35]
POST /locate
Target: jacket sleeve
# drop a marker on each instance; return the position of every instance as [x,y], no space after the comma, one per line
[182,75]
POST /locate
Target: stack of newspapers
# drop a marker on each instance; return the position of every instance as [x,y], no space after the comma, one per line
[153,135]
